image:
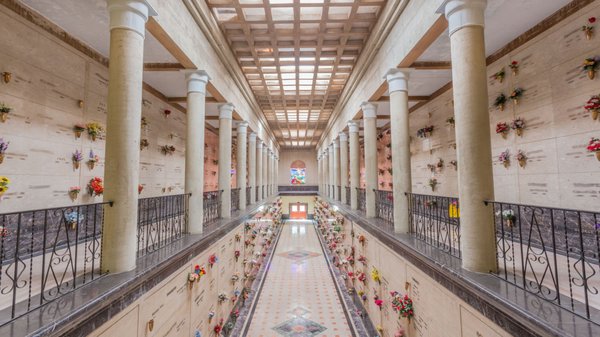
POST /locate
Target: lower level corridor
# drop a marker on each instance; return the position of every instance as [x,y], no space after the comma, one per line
[298,298]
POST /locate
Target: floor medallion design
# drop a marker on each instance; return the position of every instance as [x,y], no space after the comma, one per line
[298,255]
[299,327]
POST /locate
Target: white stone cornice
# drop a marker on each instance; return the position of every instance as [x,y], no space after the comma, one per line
[464,13]
[226,111]
[196,80]
[343,137]
[352,127]
[397,79]
[369,110]
[130,14]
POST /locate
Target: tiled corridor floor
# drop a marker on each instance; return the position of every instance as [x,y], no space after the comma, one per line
[299,298]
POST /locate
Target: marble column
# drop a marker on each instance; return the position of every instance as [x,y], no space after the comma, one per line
[320,170]
[259,169]
[343,165]
[474,156]
[225,121]
[265,165]
[354,168]
[370,142]
[401,171]
[242,133]
[336,170]
[325,155]
[124,102]
[252,166]
[331,157]
[194,148]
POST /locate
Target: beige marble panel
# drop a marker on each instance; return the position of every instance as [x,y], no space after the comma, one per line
[121,325]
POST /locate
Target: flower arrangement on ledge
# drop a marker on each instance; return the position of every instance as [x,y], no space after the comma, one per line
[74,192]
[450,121]
[77,157]
[590,66]
[73,218]
[218,328]
[518,125]
[212,259]
[516,95]
[514,66]
[144,143]
[92,159]
[94,130]
[508,215]
[521,158]
[425,132]
[362,239]
[4,111]
[3,148]
[454,164]
[78,130]
[95,186]
[500,102]
[502,129]
[588,28]
[362,277]
[594,146]
[167,149]
[140,188]
[433,183]
[196,275]
[593,106]
[4,182]
[499,76]
[403,305]
[378,302]
[504,158]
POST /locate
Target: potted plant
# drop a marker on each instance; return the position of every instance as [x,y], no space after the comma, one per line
[499,76]
[502,129]
[504,158]
[3,148]
[73,219]
[78,130]
[514,66]
[433,183]
[77,157]
[4,110]
[94,130]
[516,95]
[594,146]
[518,125]
[92,160]
[590,66]
[144,143]
[593,106]
[500,102]
[96,186]
[522,158]
[508,215]
[588,28]
[74,192]
[4,182]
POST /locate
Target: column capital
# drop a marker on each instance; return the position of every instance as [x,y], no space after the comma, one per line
[196,80]
[352,127]
[265,147]
[130,14]
[369,110]
[464,13]
[336,144]
[397,79]
[330,148]
[226,111]
[252,137]
[343,137]
[242,127]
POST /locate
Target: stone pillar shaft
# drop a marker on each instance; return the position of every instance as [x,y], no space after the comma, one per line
[265,165]
[343,165]
[326,172]
[370,142]
[354,164]
[331,172]
[252,167]
[242,132]
[259,169]
[336,170]
[225,121]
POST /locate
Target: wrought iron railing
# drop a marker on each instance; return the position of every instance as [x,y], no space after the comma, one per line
[161,221]
[235,199]
[257,193]
[362,199]
[298,188]
[212,206]
[248,190]
[436,221]
[552,253]
[47,253]
[384,205]
[347,195]
[339,193]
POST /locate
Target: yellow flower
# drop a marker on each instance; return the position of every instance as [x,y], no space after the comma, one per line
[3,189]
[4,180]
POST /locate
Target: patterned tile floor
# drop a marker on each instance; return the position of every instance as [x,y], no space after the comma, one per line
[299,298]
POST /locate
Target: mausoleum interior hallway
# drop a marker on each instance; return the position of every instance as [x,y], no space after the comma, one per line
[298,298]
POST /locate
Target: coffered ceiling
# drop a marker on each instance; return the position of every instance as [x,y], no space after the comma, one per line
[297,56]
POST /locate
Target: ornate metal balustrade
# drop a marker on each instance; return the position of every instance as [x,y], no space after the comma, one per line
[248,190]
[161,221]
[362,199]
[212,206]
[436,221]
[257,193]
[552,253]
[347,195]
[47,253]
[339,193]
[384,205]
[235,199]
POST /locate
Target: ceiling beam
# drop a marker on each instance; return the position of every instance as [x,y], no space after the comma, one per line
[163,66]
[410,98]
[431,65]
[184,100]
[165,40]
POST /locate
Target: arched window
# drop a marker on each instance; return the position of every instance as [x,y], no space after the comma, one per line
[298,172]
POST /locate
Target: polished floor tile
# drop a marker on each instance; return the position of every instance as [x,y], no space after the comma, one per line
[299,298]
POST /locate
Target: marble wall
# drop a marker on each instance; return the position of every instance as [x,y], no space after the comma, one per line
[54,87]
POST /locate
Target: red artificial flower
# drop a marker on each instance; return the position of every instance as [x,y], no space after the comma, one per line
[592,20]
[514,63]
[594,145]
